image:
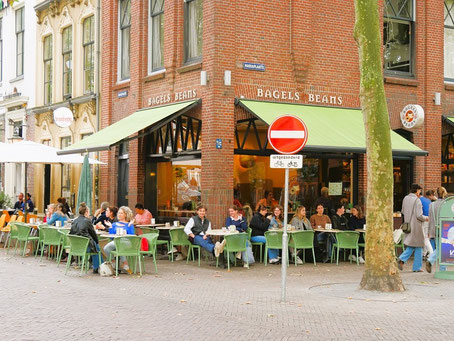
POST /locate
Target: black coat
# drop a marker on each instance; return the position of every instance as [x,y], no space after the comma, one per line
[82,226]
[259,225]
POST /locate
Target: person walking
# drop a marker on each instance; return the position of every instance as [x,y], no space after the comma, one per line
[426,200]
[414,241]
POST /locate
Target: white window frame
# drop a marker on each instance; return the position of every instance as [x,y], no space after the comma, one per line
[123,78]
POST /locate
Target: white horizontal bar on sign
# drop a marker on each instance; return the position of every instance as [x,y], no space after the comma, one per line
[287,134]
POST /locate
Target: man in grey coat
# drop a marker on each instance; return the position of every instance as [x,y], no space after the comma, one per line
[414,241]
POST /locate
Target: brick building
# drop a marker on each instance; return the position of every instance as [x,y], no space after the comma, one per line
[190,86]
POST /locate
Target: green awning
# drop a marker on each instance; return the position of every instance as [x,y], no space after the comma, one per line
[449,120]
[121,130]
[330,129]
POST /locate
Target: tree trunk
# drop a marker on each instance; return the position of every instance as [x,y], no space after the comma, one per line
[381,268]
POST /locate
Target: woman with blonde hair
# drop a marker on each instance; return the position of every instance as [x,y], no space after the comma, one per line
[277,220]
[57,214]
[124,217]
[299,220]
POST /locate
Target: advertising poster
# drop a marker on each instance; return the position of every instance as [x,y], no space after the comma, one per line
[447,241]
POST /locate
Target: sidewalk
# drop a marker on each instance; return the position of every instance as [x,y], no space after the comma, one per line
[191,303]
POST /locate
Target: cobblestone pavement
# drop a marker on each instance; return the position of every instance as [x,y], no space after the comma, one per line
[185,302]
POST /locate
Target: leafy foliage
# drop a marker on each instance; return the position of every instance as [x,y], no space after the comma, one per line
[5,200]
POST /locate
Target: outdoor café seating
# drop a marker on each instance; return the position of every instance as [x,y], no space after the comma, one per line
[302,240]
[235,243]
[151,238]
[346,240]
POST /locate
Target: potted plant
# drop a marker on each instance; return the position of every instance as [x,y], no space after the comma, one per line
[5,200]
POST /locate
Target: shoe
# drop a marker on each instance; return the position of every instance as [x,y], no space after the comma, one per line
[361,260]
[172,251]
[221,249]
[179,257]
[127,269]
[245,265]
[428,267]
[420,270]
[95,271]
[325,259]
[217,248]
[298,260]
[400,265]
[274,261]
[352,258]
[238,255]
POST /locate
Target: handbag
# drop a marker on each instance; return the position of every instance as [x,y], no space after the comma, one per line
[106,269]
[406,227]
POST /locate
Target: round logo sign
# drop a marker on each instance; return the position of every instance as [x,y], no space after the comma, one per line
[63,117]
[287,134]
[412,116]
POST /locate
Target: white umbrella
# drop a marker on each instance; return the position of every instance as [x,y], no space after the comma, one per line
[32,152]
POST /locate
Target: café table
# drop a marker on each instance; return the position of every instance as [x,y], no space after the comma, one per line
[327,230]
[360,230]
[221,232]
[150,225]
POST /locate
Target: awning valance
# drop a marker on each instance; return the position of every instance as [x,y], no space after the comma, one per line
[330,129]
[121,130]
[449,120]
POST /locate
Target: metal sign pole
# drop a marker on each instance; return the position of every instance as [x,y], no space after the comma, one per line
[284,240]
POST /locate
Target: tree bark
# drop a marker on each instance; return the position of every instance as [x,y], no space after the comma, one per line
[381,271]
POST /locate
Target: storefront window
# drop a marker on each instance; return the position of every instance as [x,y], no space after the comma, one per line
[253,176]
[193,29]
[447,166]
[178,186]
[449,40]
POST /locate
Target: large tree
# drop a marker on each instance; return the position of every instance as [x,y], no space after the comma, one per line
[381,268]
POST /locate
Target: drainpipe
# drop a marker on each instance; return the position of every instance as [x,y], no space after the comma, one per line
[97,91]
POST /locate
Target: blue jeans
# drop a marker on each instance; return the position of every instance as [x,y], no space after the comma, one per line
[95,258]
[417,264]
[432,258]
[207,244]
[272,253]
[330,239]
[432,242]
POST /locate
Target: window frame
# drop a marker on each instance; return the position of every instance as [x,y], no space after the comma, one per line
[49,59]
[122,74]
[411,22]
[158,15]
[65,141]
[67,50]
[89,45]
[20,40]
[192,59]
[450,12]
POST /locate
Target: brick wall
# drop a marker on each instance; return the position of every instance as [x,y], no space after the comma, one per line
[306,46]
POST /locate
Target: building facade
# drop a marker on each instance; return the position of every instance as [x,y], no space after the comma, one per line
[224,70]
[17,90]
[66,89]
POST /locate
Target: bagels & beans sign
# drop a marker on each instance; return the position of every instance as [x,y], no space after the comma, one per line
[412,116]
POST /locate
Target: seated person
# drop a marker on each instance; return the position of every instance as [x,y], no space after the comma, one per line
[240,223]
[111,215]
[319,220]
[57,215]
[19,205]
[357,220]
[300,221]
[29,206]
[124,217]
[277,219]
[260,223]
[267,201]
[100,214]
[143,216]
[82,226]
[339,220]
[198,230]
[66,209]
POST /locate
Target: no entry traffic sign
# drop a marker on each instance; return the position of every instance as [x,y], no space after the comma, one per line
[287,134]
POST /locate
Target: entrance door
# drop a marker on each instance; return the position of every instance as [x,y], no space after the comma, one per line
[123,176]
[47,171]
[402,172]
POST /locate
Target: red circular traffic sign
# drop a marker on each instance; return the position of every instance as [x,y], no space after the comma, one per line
[287,134]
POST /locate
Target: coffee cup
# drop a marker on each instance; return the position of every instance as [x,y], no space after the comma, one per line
[58,223]
[224,229]
[232,228]
[153,221]
[328,226]
[176,223]
[32,220]
[167,224]
[364,226]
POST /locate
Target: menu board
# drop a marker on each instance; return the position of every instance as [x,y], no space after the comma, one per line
[335,188]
